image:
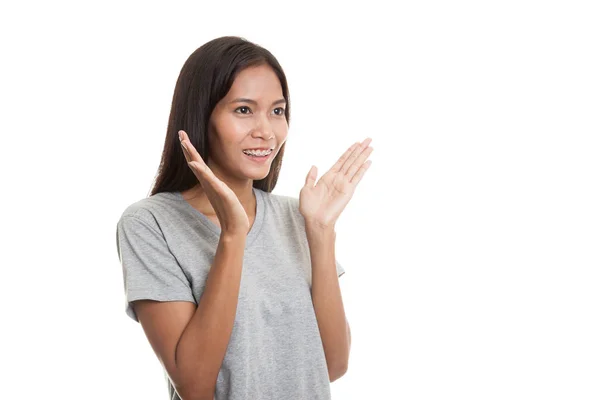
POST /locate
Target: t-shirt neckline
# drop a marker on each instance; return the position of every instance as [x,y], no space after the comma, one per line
[254,229]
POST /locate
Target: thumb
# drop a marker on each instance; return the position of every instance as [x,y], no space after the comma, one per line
[311,177]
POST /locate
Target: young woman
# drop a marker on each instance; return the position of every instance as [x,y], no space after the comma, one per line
[237,288]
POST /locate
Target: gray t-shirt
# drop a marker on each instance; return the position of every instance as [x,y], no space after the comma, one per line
[166,248]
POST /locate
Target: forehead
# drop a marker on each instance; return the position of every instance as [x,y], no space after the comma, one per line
[257,83]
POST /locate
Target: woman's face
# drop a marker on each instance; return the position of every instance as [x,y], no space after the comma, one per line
[250,116]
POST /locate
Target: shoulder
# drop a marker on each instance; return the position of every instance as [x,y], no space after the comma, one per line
[283,203]
[146,210]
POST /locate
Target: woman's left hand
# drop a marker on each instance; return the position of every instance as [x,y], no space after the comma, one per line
[323,203]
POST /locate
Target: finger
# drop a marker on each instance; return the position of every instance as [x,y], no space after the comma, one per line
[200,168]
[213,186]
[358,162]
[360,173]
[186,154]
[195,161]
[350,160]
[191,150]
[338,165]
[207,179]
[311,177]
[182,139]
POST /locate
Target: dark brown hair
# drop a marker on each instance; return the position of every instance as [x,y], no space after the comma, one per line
[205,78]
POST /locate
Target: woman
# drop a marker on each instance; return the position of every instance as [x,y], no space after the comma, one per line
[237,288]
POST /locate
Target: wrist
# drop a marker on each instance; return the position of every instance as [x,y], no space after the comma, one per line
[320,232]
[232,237]
[314,223]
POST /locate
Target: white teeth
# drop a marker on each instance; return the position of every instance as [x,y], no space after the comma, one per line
[257,152]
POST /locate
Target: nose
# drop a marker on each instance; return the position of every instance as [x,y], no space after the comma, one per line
[263,128]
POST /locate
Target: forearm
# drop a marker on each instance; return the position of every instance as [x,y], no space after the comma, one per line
[203,344]
[327,300]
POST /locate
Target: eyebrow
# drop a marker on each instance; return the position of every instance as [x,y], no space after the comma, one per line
[244,100]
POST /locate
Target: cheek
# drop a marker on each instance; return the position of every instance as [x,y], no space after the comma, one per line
[232,132]
[282,133]
[239,125]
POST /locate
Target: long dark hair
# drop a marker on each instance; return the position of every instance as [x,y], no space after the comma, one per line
[204,80]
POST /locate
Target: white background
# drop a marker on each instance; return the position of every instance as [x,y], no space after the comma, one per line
[471,245]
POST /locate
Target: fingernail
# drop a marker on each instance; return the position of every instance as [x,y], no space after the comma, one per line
[180,136]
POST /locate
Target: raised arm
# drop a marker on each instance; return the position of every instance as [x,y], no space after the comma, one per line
[191,342]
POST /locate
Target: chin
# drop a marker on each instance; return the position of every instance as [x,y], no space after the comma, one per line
[254,175]
[256,171]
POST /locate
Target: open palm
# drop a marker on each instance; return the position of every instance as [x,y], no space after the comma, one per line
[324,202]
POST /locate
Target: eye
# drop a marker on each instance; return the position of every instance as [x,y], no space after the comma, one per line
[282,111]
[242,107]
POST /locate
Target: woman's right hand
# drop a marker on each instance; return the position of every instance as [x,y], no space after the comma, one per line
[230,212]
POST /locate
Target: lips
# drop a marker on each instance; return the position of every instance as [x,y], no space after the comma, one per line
[259,159]
[260,152]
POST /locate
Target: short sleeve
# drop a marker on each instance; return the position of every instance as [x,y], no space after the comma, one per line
[339,268]
[150,271]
